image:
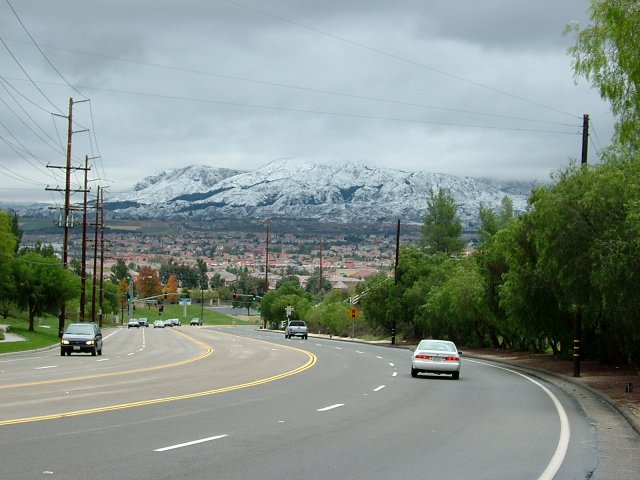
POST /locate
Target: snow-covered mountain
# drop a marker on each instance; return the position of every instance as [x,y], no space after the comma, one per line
[291,188]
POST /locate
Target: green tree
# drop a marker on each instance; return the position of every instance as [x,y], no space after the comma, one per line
[8,247]
[606,53]
[119,271]
[43,285]
[455,308]
[203,279]
[442,228]
[274,304]
[17,232]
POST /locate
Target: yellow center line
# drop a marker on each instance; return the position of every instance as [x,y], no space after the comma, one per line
[208,351]
[311,361]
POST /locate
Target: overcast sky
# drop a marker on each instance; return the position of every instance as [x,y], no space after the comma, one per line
[478,88]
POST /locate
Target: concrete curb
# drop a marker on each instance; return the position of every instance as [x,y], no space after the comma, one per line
[26,352]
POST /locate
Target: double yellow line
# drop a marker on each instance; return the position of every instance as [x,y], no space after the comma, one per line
[311,360]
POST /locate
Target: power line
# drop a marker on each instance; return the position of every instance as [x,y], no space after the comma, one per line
[53,147]
[326,113]
[399,58]
[28,76]
[41,52]
[309,89]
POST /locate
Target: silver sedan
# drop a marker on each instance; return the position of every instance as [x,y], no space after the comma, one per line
[436,356]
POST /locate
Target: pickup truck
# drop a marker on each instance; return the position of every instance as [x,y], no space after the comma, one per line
[296,328]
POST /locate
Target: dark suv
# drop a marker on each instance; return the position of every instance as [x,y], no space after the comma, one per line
[81,337]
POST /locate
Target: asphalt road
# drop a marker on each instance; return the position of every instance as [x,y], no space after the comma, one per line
[240,403]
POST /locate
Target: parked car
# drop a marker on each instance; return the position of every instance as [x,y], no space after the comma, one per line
[143,322]
[175,322]
[158,324]
[436,356]
[195,321]
[133,323]
[81,337]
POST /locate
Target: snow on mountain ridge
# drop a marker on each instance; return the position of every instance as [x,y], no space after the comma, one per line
[302,189]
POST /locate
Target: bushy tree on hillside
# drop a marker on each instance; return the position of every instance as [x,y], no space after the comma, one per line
[442,229]
[8,246]
[273,306]
[606,53]
[42,285]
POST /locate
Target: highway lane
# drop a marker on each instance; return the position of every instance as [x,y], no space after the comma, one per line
[355,413]
[138,366]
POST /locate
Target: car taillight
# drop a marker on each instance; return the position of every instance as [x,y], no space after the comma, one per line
[422,356]
[451,359]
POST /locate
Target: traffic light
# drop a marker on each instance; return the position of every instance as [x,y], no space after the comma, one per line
[253,298]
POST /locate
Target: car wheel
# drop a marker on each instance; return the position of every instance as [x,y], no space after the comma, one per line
[94,352]
[414,372]
[305,337]
[62,353]
[100,352]
[455,375]
[68,353]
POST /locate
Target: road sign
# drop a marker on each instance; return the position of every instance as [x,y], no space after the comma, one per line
[354,313]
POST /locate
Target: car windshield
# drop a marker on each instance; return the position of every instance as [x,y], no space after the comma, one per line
[438,346]
[296,324]
[80,329]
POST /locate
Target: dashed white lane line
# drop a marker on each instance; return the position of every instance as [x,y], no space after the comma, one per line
[188,444]
[378,356]
[331,407]
[48,366]
[395,374]
[379,388]
[391,364]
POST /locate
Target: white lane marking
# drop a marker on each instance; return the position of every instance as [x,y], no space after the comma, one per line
[565,429]
[103,360]
[129,354]
[378,356]
[391,364]
[331,407]
[379,388]
[395,374]
[338,348]
[358,351]
[188,444]
[48,366]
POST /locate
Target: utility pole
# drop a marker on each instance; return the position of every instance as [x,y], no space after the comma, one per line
[83,274]
[395,281]
[95,258]
[266,268]
[320,278]
[101,253]
[577,318]
[67,222]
